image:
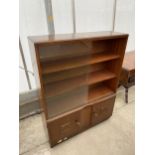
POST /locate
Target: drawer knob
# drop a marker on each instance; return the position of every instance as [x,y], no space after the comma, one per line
[59,141]
[65,138]
[77,122]
[95,114]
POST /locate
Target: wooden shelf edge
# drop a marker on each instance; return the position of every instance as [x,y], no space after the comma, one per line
[80,107]
[58,88]
[99,93]
[90,60]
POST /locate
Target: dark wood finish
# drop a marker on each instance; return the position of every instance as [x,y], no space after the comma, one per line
[127,78]
[99,91]
[102,110]
[70,84]
[45,40]
[77,76]
[69,100]
[71,73]
[38,75]
[64,127]
[61,65]
[77,121]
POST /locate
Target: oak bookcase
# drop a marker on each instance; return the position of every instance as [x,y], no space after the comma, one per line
[77,77]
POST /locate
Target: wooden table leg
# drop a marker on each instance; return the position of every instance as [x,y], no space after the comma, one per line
[126,94]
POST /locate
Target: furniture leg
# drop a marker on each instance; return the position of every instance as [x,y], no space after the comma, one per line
[126,94]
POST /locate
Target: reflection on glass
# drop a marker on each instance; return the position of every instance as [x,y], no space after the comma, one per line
[67,101]
[74,73]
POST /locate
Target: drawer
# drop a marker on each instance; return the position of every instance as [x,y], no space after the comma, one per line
[102,110]
[63,128]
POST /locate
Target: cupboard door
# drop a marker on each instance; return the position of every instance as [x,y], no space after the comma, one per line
[63,128]
[102,110]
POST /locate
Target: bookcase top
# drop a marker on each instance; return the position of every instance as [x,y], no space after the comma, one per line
[78,36]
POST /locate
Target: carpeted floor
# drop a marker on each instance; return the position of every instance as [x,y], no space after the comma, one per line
[112,137]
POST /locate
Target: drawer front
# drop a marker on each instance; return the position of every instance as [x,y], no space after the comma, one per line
[63,128]
[102,110]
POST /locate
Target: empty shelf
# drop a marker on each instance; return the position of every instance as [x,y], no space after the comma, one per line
[61,65]
[69,84]
[99,92]
[74,99]
[72,73]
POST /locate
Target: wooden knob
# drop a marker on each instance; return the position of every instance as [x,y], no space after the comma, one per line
[65,138]
[59,141]
[95,114]
[77,122]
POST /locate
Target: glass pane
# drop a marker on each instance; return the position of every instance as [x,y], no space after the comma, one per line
[74,73]
[66,101]
[65,50]
[65,69]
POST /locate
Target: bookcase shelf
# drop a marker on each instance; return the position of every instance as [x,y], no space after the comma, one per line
[69,84]
[71,73]
[99,92]
[77,77]
[68,101]
[60,65]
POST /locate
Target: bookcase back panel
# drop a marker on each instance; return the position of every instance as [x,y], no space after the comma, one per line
[103,45]
[64,50]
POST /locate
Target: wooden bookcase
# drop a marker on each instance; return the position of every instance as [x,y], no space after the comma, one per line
[77,77]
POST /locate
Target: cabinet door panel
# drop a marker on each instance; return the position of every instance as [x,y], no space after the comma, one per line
[102,110]
[65,127]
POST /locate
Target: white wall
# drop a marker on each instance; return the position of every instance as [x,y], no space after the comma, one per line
[94,15]
[91,15]
[32,21]
[62,15]
[23,85]
[125,20]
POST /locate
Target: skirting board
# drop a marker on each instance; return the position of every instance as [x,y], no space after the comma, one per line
[28,104]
